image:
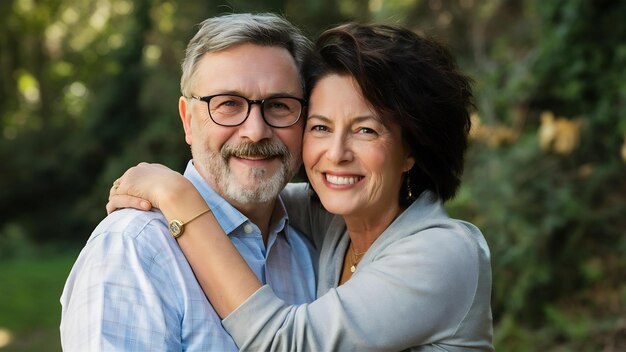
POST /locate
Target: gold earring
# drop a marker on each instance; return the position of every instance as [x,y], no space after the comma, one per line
[409,193]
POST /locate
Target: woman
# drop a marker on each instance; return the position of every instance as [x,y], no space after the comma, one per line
[383,149]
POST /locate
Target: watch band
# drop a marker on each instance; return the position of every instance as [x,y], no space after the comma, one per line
[177,227]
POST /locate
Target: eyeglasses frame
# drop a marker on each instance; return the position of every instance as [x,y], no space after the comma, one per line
[207,99]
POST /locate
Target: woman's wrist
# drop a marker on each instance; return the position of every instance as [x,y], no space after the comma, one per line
[180,200]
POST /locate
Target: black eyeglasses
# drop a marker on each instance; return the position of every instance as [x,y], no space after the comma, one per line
[233,110]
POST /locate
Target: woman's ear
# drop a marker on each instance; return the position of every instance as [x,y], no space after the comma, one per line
[409,162]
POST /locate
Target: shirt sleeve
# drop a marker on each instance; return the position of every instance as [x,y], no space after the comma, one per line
[415,292]
[119,297]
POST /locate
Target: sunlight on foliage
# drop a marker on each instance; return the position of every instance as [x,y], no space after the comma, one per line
[5,337]
[75,98]
[151,54]
[24,6]
[80,41]
[122,7]
[101,15]
[55,35]
[63,68]
[70,15]
[115,41]
[164,16]
[29,87]
[376,5]
[391,10]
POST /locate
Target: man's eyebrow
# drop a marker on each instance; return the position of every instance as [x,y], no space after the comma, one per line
[273,95]
[229,92]
[284,94]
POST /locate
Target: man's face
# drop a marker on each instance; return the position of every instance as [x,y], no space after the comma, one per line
[252,162]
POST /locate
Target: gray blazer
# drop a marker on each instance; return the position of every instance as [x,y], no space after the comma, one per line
[424,285]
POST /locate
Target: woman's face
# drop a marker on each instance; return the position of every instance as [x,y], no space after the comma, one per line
[354,163]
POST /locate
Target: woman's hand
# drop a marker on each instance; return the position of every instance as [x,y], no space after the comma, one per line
[145,186]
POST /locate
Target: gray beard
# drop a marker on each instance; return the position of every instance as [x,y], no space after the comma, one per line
[265,187]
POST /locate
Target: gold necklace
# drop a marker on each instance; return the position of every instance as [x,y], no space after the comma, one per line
[356,258]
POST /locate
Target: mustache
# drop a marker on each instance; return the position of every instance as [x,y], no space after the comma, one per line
[264,148]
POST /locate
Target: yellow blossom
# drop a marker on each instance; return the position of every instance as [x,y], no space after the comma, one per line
[559,134]
[494,136]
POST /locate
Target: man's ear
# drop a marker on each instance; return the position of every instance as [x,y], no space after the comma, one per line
[184,110]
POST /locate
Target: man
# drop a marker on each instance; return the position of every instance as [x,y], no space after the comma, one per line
[131,287]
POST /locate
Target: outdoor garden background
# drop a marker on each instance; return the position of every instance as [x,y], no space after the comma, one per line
[90,87]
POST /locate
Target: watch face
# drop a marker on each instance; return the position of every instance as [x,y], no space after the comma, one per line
[176,228]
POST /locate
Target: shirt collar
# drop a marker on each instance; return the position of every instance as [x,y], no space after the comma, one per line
[279,217]
[228,216]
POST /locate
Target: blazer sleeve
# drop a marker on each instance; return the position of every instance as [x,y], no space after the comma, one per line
[416,291]
[306,212]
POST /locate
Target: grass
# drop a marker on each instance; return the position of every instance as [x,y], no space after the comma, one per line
[30,311]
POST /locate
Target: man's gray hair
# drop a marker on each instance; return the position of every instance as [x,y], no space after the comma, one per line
[221,32]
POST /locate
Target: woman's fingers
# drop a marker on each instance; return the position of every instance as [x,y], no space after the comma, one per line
[119,201]
[114,188]
[140,187]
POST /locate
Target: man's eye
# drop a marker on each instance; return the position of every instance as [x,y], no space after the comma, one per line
[230,103]
[275,105]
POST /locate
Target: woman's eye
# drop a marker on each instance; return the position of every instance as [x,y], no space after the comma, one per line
[366,130]
[319,128]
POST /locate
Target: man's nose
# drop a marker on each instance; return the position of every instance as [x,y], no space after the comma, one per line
[254,128]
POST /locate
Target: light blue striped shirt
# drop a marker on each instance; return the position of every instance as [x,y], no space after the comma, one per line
[131,288]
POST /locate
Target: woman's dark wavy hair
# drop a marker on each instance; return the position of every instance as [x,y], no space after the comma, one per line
[411,81]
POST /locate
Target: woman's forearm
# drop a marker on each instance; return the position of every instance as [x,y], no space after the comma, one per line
[225,277]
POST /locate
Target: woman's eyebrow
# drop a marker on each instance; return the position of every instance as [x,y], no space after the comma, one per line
[319,117]
[354,119]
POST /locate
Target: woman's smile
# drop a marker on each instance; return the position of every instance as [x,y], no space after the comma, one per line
[341,180]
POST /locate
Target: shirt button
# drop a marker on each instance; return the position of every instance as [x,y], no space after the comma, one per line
[247,228]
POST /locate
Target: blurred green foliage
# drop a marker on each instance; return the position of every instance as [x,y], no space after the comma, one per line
[30,308]
[90,88]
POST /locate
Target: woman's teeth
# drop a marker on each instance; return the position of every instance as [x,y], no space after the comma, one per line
[342,180]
